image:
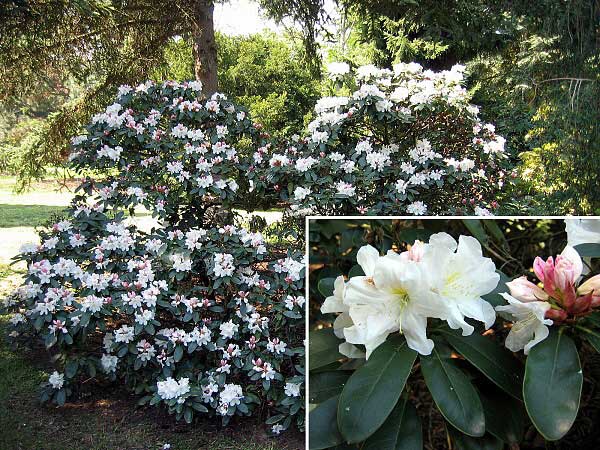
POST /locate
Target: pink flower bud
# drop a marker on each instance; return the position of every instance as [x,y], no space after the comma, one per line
[557,315]
[524,290]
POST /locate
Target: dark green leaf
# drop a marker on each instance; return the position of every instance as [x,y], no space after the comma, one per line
[492,226]
[594,340]
[401,430]
[552,385]
[324,385]
[61,397]
[322,429]
[325,286]
[591,250]
[178,354]
[504,416]
[323,348]
[373,390]
[71,368]
[188,415]
[495,362]
[476,229]
[452,391]
[355,271]
[494,298]
[464,442]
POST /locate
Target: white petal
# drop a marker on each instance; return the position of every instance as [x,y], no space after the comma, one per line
[351,351]
[366,257]
[335,302]
[342,321]
[541,332]
[414,328]
[360,291]
[456,320]
[478,309]
[393,274]
[443,240]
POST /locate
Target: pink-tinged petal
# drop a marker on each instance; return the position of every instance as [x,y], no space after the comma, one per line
[526,291]
[538,268]
[592,284]
[571,254]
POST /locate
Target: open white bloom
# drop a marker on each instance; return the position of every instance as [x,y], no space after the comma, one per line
[529,327]
[460,275]
[231,395]
[300,193]
[337,69]
[171,388]
[335,304]
[393,296]
[109,363]
[56,380]
[292,389]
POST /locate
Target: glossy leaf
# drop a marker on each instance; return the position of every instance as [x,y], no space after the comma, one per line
[322,425]
[495,362]
[323,348]
[594,340]
[463,442]
[492,226]
[325,286]
[401,430]
[504,416]
[591,250]
[494,298]
[552,385]
[373,390]
[325,385]
[453,392]
[356,271]
[476,229]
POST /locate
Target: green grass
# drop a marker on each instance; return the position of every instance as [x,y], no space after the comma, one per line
[28,215]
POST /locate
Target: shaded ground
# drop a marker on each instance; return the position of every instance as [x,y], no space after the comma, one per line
[107,419]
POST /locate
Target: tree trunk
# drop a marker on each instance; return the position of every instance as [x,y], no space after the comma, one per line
[205,47]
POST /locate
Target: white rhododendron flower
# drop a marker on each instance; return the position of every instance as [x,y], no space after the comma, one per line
[171,388]
[337,69]
[530,326]
[399,292]
[460,275]
[391,297]
[56,380]
[292,389]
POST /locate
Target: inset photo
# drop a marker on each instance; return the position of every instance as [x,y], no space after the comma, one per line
[449,333]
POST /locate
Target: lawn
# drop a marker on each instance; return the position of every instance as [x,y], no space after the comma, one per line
[104,417]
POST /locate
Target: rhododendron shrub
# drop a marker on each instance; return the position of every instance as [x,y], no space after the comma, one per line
[404,141]
[202,316]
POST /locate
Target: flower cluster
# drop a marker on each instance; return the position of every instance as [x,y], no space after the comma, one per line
[405,140]
[561,299]
[166,140]
[200,315]
[442,279]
